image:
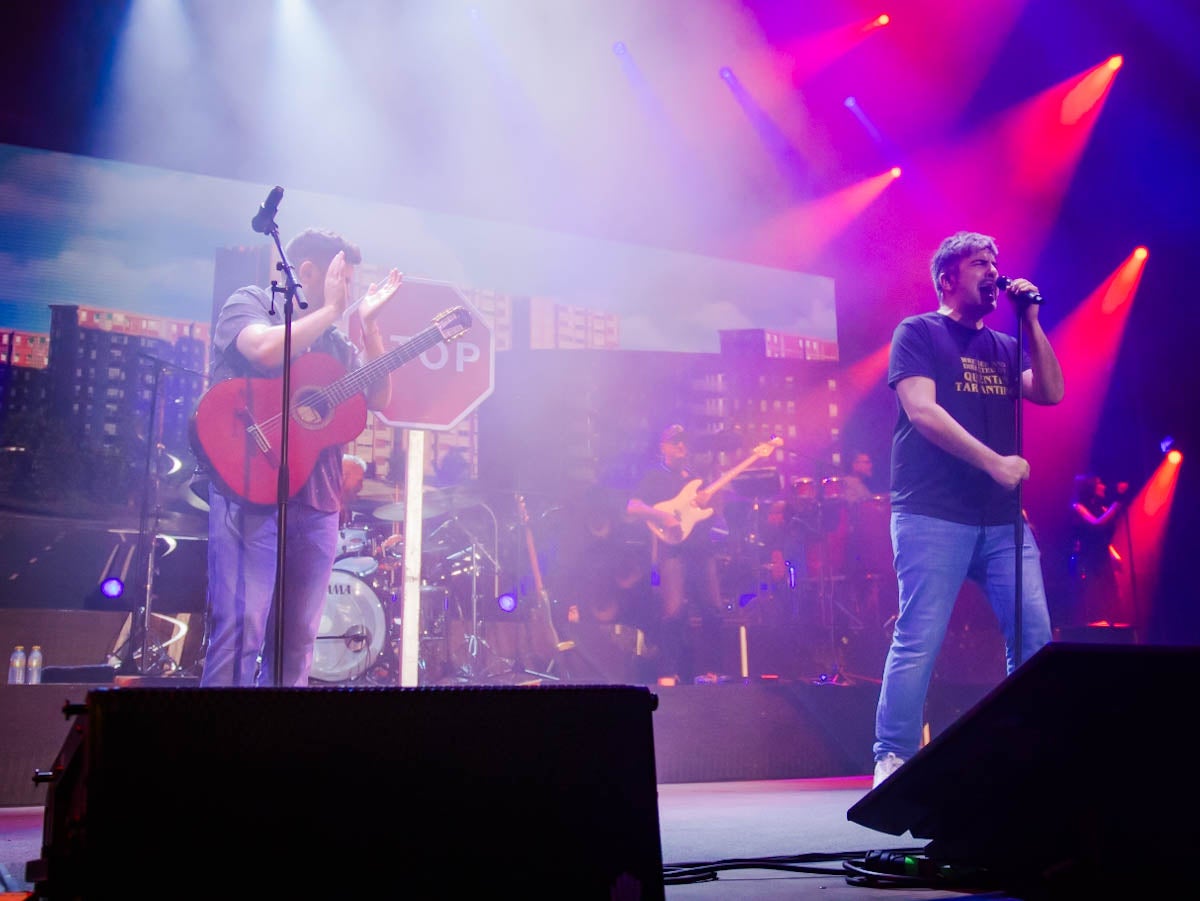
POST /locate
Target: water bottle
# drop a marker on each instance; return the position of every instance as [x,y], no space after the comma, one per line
[16,666]
[33,667]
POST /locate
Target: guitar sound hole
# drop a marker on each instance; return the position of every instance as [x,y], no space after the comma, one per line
[309,408]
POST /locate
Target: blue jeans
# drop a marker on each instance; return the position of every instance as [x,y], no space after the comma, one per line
[933,558]
[242,551]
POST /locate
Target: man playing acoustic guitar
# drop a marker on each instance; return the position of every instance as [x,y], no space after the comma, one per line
[248,345]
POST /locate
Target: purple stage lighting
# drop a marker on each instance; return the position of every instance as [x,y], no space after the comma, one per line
[507,602]
[112,587]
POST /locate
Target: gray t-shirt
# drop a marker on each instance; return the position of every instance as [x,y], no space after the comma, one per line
[252,305]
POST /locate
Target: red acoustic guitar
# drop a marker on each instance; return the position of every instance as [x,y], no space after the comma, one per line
[237,424]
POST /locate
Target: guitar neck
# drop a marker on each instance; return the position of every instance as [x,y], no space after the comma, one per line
[731,474]
[358,381]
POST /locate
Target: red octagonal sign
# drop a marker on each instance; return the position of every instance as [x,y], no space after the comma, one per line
[438,388]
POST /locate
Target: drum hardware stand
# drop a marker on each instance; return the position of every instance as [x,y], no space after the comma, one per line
[141,657]
[478,549]
[827,600]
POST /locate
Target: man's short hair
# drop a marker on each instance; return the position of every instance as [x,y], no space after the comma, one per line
[320,246]
[954,250]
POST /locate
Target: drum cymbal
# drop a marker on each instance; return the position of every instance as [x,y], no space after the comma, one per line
[435,502]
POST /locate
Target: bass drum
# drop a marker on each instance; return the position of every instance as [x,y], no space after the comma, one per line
[353,633]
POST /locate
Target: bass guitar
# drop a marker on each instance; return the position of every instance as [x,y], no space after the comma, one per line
[238,422]
[690,506]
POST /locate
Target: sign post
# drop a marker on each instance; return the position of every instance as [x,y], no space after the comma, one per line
[434,392]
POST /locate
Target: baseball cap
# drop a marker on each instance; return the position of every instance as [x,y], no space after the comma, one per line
[673,433]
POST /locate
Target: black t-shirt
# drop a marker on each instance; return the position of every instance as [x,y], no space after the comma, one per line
[660,484]
[974,374]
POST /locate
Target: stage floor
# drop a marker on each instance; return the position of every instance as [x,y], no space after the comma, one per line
[700,823]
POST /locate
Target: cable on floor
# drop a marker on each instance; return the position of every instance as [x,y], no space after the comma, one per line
[706,871]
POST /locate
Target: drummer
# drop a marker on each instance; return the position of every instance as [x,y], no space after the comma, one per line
[856,483]
[354,472]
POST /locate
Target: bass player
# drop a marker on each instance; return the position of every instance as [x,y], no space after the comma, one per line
[683,566]
[248,341]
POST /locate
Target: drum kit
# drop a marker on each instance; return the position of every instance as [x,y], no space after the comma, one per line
[824,550]
[360,633]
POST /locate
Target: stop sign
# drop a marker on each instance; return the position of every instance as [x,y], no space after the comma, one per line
[438,388]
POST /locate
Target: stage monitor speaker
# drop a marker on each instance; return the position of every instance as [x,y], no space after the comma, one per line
[527,792]
[1074,770]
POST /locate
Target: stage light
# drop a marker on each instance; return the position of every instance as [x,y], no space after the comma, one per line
[895,171]
[882,20]
[507,602]
[112,587]
[1141,253]
[1115,62]
[1166,443]
[1175,457]
[727,74]
[619,48]
[850,102]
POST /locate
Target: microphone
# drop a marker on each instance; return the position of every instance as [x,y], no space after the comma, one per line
[264,219]
[1028,296]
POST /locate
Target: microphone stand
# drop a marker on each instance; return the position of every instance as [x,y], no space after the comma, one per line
[1019,524]
[290,292]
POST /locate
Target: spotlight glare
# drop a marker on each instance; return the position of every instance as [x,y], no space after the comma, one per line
[883,19]
[850,102]
[619,48]
[895,171]
[112,587]
[726,73]
[1175,457]
[1115,62]
[1141,253]
[507,602]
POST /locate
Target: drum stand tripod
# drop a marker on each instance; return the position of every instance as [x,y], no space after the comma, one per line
[828,603]
[138,655]
[471,671]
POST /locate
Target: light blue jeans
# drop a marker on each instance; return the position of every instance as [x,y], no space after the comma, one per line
[242,552]
[933,558]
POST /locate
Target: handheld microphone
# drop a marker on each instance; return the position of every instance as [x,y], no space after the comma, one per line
[1028,296]
[264,220]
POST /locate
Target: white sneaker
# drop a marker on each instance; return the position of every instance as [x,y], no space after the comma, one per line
[885,766]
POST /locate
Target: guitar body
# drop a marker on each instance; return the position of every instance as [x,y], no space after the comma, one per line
[684,507]
[237,427]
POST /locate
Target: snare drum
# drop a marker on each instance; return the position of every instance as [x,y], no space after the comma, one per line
[353,630]
[363,567]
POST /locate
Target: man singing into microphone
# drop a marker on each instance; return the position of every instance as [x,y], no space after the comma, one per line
[956,468]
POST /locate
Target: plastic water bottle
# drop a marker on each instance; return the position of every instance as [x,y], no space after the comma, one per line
[33,667]
[16,666]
